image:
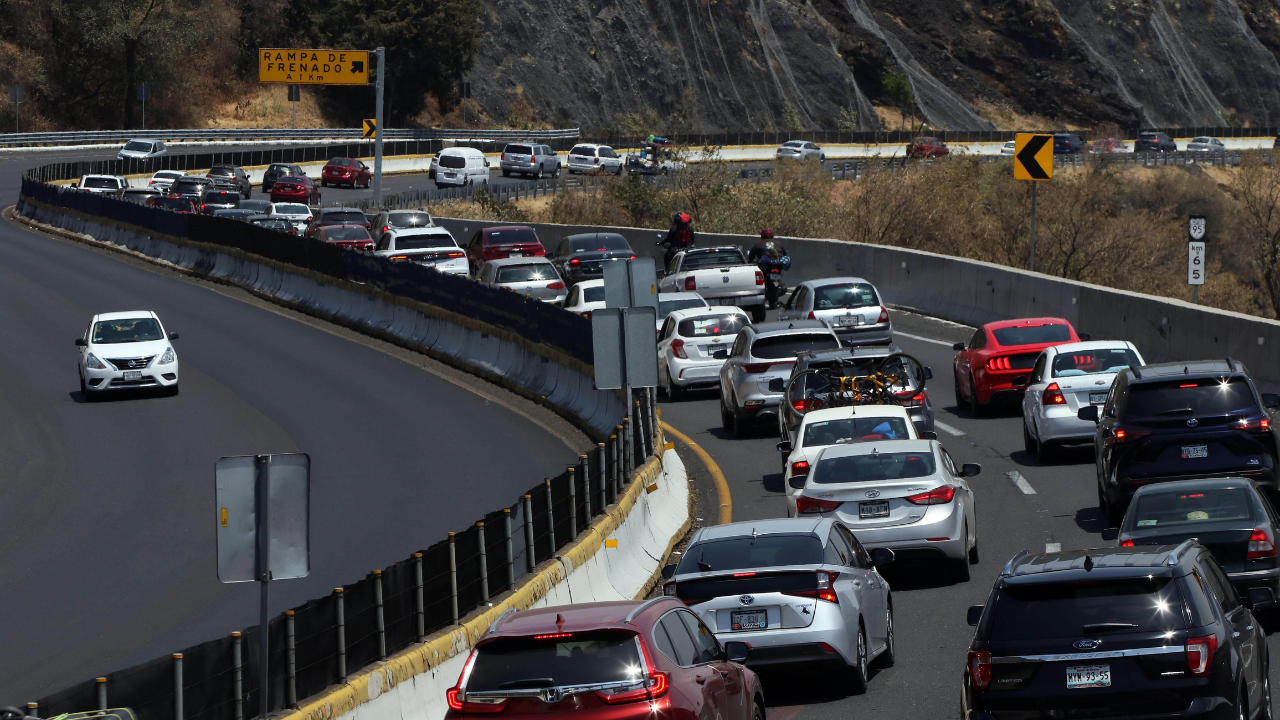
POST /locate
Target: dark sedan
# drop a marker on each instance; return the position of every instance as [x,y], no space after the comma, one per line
[294,188]
[582,257]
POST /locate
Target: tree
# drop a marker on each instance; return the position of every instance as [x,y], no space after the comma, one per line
[897,87]
[1258,192]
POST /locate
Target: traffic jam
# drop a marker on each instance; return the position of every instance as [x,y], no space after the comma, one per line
[1164,619]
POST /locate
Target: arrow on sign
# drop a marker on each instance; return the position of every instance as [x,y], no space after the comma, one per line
[370,127]
[1027,157]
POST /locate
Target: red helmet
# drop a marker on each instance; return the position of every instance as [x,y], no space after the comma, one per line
[766,233]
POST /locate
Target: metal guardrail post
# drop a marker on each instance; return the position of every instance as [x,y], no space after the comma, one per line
[530,557]
[102,693]
[605,500]
[177,686]
[377,603]
[453,576]
[573,506]
[650,394]
[584,471]
[551,518]
[237,675]
[291,661]
[618,476]
[484,565]
[33,709]
[342,633]
[420,604]
[511,558]
[627,442]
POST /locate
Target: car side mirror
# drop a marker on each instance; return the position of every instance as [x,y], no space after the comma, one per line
[974,616]
[958,347]
[928,435]
[970,469]
[1020,381]
[1270,400]
[668,571]
[1084,336]
[881,556]
[1089,413]
[797,481]
[928,373]
[736,651]
[81,343]
[173,336]
[1260,599]
[1110,534]
[785,447]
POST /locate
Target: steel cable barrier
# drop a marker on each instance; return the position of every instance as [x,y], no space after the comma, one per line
[260,134]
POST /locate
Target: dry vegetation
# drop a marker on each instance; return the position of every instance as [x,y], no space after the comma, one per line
[1123,227]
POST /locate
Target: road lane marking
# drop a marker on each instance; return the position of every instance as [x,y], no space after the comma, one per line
[1053,547]
[1021,482]
[722,485]
[923,339]
[947,428]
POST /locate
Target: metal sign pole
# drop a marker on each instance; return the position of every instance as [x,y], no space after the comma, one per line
[1032,261]
[377,137]
[260,476]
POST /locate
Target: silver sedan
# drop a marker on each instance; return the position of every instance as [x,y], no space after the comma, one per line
[800,150]
[1206,144]
[849,305]
[532,276]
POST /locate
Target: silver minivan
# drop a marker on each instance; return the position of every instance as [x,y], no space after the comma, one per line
[535,160]
[594,158]
[142,150]
[532,276]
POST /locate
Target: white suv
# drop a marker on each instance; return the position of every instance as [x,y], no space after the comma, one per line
[594,158]
[102,184]
[126,350]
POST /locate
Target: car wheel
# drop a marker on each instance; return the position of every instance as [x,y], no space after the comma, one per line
[506,172]
[858,671]
[675,393]
[1242,706]
[84,390]
[741,426]
[726,417]
[1028,443]
[173,390]
[962,565]
[975,407]
[1111,511]
[959,398]
[1045,452]
[1266,691]
[538,175]
[887,658]
[973,553]
[556,172]
[620,170]
[757,313]
[757,712]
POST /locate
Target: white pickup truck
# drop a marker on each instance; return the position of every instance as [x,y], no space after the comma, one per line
[721,275]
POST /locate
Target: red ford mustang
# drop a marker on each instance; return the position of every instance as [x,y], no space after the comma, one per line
[1000,351]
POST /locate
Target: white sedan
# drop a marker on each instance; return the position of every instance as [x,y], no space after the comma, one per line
[1064,379]
[126,350]
[163,180]
[692,346]
[585,297]
[296,214]
[1008,148]
[432,247]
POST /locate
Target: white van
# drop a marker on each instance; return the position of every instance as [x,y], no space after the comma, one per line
[462,166]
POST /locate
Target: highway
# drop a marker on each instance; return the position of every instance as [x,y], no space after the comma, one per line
[107,549]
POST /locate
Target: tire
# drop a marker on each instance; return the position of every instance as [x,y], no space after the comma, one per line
[556,173]
[538,175]
[675,393]
[506,172]
[1028,442]
[1242,706]
[887,658]
[962,565]
[84,390]
[959,399]
[757,712]
[858,670]
[1046,453]
[174,390]
[1112,512]
[740,425]
[757,313]
[1266,691]
[975,407]
[973,553]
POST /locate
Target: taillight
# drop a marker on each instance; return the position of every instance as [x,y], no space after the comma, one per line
[596,161]
[503,156]
[759,278]
[540,252]
[1200,654]
[455,697]
[1053,395]
[980,668]
[1126,542]
[806,405]
[1120,435]
[691,283]
[812,316]
[826,589]
[575,261]
[1262,424]
[557,285]
[808,505]
[916,400]
[998,363]
[884,315]
[936,496]
[799,468]
[1260,546]
[656,684]
[677,347]
[456,254]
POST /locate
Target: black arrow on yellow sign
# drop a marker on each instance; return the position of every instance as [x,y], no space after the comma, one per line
[370,128]
[1034,157]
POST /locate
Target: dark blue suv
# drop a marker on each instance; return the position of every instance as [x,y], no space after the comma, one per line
[1068,144]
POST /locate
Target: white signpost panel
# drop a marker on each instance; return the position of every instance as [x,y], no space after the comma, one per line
[1195,262]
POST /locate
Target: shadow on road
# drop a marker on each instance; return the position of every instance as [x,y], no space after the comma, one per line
[920,576]
[774,484]
[786,687]
[1091,519]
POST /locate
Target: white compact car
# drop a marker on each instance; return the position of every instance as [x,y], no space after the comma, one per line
[163,180]
[433,247]
[1008,148]
[905,495]
[461,166]
[838,426]
[692,346]
[532,276]
[126,350]
[102,184]
[800,591]
[1064,379]
[585,296]
[297,214]
[588,157]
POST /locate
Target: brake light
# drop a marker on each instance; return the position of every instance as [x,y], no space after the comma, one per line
[1200,654]
[799,468]
[530,159]
[456,698]
[385,228]
[557,285]
[759,278]
[812,316]
[916,400]
[998,363]
[812,506]
[1255,424]
[690,283]
[826,589]
[1120,435]
[656,684]
[456,254]
[575,261]
[503,156]
[1053,395]
[1126,542]
[677,347]
[1260,546]
[806,405]
[980,668]
[936,496]
[884,315]
[552,636]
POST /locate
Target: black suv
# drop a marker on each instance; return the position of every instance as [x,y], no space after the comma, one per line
[1154,142]
[1178,420]
[1068,144]
[1118,632]
[278,170]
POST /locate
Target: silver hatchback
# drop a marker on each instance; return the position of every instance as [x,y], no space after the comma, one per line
[586,157]
[532,276]
[754,375]
[532,160]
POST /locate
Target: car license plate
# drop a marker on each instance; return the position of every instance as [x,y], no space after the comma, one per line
[1097,398]
[873,509]
[748,620]
[1088,676]
[132,374]
[848,320]
[727,301]
[1191,452]
[451,175]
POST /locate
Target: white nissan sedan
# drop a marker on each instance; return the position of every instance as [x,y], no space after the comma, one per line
[126,350]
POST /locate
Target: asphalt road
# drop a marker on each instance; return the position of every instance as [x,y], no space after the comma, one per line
[929,619]
[107,545]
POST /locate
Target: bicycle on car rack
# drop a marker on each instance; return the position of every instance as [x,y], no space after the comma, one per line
[895,378]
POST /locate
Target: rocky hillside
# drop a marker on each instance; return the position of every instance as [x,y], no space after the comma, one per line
[716,65]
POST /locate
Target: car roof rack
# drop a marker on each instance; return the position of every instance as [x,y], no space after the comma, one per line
[1233,364]
[1008,567]
[1137,371]
[1176,552]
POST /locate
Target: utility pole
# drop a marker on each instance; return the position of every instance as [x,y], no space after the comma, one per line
[15,97]
[377,138]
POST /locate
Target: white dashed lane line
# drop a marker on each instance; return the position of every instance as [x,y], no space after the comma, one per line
[1021,482]
[1053,547]
[948,429]
[921,338]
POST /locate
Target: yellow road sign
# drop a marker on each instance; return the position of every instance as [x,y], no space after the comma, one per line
[370,128]
[313,67]
[1032,157]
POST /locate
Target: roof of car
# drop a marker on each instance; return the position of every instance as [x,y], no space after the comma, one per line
[871,447]
[1194,367]
[598,282]
[693,251]
[124,315]
[325,211]
[500,228]
[769,526]
[684,313]
[822,282]
[1019,322]
[424,230]
[591,236]
[501,262]
[784,327]
[855,411]
[1102,562]
[1091,345]
[575,618]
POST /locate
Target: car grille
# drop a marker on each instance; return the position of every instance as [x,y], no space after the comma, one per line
[131,363]
[144,381]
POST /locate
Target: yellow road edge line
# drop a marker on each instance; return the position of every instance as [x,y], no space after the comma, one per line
[722,485]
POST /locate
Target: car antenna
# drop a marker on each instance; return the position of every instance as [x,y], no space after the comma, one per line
[791,326]
[1088,563]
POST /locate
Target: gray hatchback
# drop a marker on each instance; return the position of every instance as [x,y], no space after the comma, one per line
[534,160]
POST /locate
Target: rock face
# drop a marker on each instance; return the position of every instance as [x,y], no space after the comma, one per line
[725,65]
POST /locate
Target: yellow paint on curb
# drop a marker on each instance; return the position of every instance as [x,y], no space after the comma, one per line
[722,485]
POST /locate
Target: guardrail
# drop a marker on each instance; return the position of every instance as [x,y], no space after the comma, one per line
[118,136]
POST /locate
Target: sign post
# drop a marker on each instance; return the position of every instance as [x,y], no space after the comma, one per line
[623,338]
[377,139]
[1195,256]
[1033,161]
[15,97]
[295,94]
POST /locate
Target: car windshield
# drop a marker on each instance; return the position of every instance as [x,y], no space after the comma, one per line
[172,203]
[518,149]
[138,146]
[279,169]
[541,272]
[712,325]
[1032,334]
[751,552]
[583,150]
[408,219]
[452,161]
[857,429]
[222,198]
[713,259]
[421,242]
[346,217]
[519,236]
[666,307]
[1094,361]
[786,346]
[1069,610]
[340,162]
[554,660]
[847,295]
[593,294]
[100,183]
[126,330]
[1204,396]
[598,242]
[346,233]
[221,171]
[273,224]
[292,209]
[1190,507]
[874,467]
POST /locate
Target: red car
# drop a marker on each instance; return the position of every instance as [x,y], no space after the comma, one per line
[345,171]
[926,148]
[295,188]
[606,661]
[352,236]
[500,242]
[1108,145]
[1000,351]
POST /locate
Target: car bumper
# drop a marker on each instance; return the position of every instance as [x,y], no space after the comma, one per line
[743,300]
[301,198]
[1060,424]
[754,400]
[686,373]
[112,380]
[519,167]
[797,646]
[584,167]
[878,334]
[912,542]
[1268,579]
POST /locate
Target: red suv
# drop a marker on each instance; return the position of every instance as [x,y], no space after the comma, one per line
[500,242]
[352,236]
[1000,351]
[606,661]
[927,147]
[345,171]
[295,188]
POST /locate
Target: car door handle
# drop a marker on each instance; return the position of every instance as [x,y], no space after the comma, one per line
[699,679]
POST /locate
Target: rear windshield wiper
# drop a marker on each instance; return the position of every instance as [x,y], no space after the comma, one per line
[1100,627]
[1179,411]
[528,683]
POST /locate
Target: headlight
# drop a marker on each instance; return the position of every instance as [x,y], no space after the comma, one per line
[94,363]
[166,358]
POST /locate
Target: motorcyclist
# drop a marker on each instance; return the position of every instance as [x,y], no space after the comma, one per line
[771,257]
[679,237]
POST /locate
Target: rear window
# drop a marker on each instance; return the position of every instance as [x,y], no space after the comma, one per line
[850,295]
[1087,608]
[711,325]
[542,272]
[518,149]
[598,242]
[751,552]
[279,169]
[220,197]
[346,233]
[786,346]
[583,150]
[272,224]
[292,209]
[408,219]
[340,162]
[1093,362]
[167,175]
[422,242]
[353,217]
[713,259]
[1032,334]
[859,429]
[100,183]
[453,161]
[137,146]
[519,236]
[666,307]
[222,171]
[876,467]
[793,144]
[1173,398]
[1200,140]
[169,203]
[554,661]
[1170,509]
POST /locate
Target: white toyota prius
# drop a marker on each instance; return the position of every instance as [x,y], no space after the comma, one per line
[126,350]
